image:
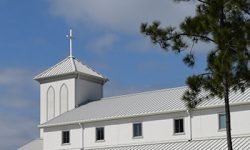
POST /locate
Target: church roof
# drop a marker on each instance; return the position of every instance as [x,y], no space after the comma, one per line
[36,144]
[140,104]
[239,143]
[69,65]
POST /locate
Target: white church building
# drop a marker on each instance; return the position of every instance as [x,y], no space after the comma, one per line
[74,115]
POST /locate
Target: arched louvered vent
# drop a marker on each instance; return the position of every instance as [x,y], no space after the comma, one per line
[63,99]
[50,103]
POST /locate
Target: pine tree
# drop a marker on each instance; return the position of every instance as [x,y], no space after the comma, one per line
[226,25]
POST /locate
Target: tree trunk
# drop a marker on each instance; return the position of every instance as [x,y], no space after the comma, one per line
[228,117]
[226,89]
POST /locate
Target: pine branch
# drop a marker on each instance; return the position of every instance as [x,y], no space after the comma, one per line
[202,1]
[197,36]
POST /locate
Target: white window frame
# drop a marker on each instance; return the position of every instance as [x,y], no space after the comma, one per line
[103,140]
[219,125]
[137,137]
[63,137]
[179,133]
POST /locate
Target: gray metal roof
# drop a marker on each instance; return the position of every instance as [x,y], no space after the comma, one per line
[67,66]
[239,143]
[33,145]
[146,103]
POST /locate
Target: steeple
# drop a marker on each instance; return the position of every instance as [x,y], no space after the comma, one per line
[67,85]
[69,67]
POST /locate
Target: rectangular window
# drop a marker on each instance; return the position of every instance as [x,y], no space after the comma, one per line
[137,129]
[100,134]
[65,137]
[178,126]
[222,121]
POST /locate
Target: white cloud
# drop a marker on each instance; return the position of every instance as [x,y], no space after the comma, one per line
[140,45]
[153,66]
[121,15]
[18,106]
[13,76]
[16,130]
[15,84]
[102,43]
[113,88]
[203,48]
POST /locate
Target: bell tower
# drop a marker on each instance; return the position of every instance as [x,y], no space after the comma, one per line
[67,85]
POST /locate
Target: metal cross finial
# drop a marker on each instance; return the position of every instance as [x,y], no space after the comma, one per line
[70,36]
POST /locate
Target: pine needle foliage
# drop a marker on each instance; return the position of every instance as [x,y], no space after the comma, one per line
[226,25]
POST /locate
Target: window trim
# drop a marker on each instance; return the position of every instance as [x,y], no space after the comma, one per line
[137,137]
[221,129]
[179,133]
[103,134]
[63,137]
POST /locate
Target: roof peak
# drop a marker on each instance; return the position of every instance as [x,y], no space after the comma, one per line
[70,65]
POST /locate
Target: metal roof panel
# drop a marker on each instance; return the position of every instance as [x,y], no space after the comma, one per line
[145,103]
[239,143]
[66,66]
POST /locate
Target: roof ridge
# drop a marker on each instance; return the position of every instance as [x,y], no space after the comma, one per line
[145,92]
[73,63]
[50,68]
[90,68]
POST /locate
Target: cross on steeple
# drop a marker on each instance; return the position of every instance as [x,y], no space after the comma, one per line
[70,36]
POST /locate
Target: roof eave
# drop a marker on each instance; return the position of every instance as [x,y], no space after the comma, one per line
[89,77]
[138,115]
[56,77]
[71,75]
[108,118]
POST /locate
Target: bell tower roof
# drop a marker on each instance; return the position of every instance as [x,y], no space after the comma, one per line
[70,67]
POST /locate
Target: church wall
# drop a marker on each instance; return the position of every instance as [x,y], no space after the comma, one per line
[53,138]
[56,86]
[159,128]
[86,90]
[119,132]
[205,122]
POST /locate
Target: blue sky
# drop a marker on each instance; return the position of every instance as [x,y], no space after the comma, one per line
[107,38]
